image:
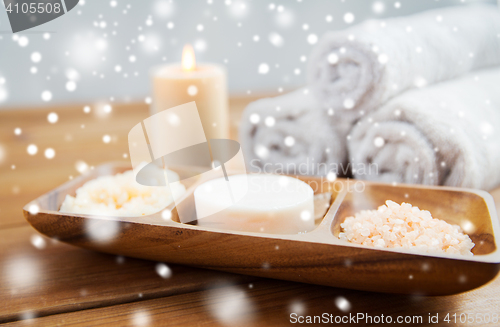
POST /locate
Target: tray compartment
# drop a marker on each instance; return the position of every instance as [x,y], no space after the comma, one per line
[319,185]
[455,207]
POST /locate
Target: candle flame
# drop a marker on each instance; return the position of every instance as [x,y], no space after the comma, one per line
[188,59]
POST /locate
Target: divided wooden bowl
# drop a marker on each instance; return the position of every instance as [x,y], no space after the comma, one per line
[317,257]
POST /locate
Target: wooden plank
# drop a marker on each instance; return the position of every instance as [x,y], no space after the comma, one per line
[62,278]
[270,303]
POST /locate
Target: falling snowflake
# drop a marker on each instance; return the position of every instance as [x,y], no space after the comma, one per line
[238,8]
[348,103]
[276,39]
[72,74]
[261,151]
[81,166]
[312,38]
[297,307]
[173,119]
[23,41]
[284,18]
[36,57]
[348,18]
[378,7]
[333,58]
[331,176]
[163,270]
[382,58]
[101,44]
[46,96]
[270,121]
[192,90]
[38,241]
[200,45]
[166,214]
[52,117]
[289,141]
[102,231]
[254,118]
[50,153]
[21,272]
[230,306]
[305,215]
[33,209]
[343,304]
[70,86]
[141,318]
[487,128]
[420,82]
[107,108]
[263,68]
[32,149]
[379,142]
[164,8]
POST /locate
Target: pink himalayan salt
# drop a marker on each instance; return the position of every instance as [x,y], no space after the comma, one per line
[407,227]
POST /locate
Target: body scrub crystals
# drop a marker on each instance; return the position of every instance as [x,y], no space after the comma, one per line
[121,195]
[407,227]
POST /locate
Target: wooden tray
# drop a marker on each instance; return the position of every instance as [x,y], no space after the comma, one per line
[317,257]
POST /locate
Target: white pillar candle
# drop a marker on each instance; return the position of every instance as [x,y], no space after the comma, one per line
[272,204]
[205,84]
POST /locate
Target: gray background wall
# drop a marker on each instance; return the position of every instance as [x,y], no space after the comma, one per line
[86,46]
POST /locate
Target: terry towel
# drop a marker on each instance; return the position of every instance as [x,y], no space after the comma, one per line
[358,69]
[445,134]
[288,134]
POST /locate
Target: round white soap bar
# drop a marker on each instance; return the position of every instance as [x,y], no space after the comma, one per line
[261,203]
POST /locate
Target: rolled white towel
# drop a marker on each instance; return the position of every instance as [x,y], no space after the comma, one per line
[362,67]
[446,134]
[288,134]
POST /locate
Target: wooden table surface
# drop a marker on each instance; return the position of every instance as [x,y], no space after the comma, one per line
[45,282]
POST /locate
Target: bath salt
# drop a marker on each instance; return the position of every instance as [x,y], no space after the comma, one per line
[407,227]
[121,195]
